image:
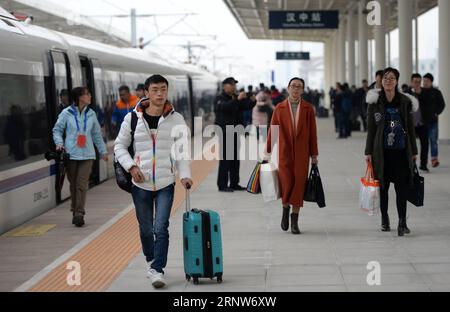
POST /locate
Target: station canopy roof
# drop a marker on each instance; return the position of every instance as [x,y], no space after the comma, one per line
[253,16]
[62,19]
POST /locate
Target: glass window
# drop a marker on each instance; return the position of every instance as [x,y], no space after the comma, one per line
[100,94]
[61,86]
[23,120]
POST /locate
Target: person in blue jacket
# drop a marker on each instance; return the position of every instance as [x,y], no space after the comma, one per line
[81,128]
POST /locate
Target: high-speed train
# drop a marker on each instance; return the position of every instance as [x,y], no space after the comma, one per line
[35,65]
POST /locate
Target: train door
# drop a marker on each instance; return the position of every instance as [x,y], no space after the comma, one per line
[87,79]
[58,96]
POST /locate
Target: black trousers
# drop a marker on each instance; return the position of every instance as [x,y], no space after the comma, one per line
[396,170]
[363,115]
[344,124]
[336,120]
[422,134]
[229,165]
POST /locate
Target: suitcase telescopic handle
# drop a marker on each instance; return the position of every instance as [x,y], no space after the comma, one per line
[188,199]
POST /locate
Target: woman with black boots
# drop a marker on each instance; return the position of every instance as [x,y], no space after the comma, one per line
[391,144]
[295,132]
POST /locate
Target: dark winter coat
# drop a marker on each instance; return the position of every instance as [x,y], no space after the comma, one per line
[229,110]
[431,105]
[375,126]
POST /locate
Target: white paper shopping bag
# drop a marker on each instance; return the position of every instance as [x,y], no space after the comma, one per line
[268,180]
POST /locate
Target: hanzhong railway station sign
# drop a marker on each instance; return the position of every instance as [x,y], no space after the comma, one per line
[303,19]
[291,56]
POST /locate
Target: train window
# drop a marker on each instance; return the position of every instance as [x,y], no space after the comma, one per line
[181,101]
[112,83]
[62,87]
[23,120]
[99,85]
[100,93]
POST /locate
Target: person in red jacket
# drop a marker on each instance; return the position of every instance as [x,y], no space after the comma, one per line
[297,144]
[125,105]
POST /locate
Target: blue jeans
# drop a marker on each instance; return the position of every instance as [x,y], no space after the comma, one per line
[433,133]
[247,117]
[344,124]
[154,233]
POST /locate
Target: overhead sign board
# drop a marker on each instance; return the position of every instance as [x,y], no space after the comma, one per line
[303,19]
[293,56]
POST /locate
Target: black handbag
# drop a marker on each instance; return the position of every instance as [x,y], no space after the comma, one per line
[416,193]
[123,178]
[314,188]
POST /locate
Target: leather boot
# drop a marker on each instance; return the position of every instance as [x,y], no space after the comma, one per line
[294,223]
[285,218]
[385,225]
[402,227]
[78,221]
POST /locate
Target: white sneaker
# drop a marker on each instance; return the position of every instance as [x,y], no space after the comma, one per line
[156,278]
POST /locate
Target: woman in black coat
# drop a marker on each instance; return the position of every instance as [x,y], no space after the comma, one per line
[391,144]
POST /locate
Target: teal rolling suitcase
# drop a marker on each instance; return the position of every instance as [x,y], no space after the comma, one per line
[202,244]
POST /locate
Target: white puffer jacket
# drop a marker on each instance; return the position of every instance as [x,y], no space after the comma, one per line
[158,156]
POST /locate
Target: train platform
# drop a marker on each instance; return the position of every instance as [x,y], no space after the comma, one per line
[331,254]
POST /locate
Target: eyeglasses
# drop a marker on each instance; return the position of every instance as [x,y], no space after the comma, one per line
[158,90]
[389,78]
[296,86]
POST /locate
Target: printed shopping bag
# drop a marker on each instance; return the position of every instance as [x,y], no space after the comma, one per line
[253,185]
[369,195]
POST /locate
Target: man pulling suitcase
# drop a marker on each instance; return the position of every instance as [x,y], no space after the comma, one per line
[152,168]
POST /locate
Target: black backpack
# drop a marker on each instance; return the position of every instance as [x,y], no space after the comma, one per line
[123,178]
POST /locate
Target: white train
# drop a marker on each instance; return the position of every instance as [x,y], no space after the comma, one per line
[35,65]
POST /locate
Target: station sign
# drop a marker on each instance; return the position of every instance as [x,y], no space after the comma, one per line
[304,19]
[293,56]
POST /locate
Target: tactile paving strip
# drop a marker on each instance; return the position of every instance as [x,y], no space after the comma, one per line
[105,257]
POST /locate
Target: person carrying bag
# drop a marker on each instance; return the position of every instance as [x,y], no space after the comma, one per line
[293,128]
[75,133]
[391,146]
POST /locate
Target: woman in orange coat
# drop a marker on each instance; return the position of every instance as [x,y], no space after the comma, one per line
[297,143]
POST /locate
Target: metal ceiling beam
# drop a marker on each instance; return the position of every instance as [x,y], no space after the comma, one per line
[255,7]
[306,5]
[330,4]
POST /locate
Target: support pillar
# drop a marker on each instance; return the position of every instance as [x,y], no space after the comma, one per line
[444,69]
